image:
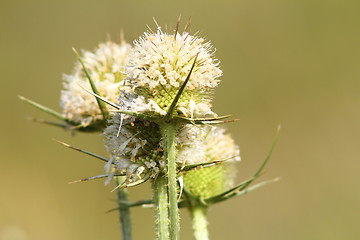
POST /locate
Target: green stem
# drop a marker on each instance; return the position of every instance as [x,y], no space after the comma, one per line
[199,222]
[161,207]
[170,132]
[125,219]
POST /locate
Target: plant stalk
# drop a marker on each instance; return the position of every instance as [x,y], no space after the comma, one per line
[199,222]
[124,211]
[170,132]
[161,207]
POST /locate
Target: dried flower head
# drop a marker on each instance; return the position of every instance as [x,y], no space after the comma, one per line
[207,182]
[159,65]
[105,67]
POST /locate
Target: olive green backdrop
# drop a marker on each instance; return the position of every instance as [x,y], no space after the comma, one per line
[289,62]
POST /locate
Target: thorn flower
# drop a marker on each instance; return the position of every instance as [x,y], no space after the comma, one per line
[105,67]
[159,65]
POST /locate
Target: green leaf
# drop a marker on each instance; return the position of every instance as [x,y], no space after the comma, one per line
[92,178]
[101,98]
[245,191]
[258,172]
[206,164]
[55,124]
[124,185]
[141,203]
[148,117]
[233,189]
[245,184]
[97,126]
[202,119]
[68,125]
[217,122]
[205,121]
[270,152]
[44,109]
[148,203]
[83,151]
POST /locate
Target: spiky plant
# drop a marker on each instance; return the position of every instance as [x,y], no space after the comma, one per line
[153,103]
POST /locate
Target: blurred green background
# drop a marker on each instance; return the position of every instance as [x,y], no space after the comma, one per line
[289,62]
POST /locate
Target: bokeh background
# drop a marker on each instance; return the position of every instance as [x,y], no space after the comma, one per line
[289,62]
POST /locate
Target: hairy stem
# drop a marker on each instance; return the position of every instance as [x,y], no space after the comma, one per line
[170,132]
[125,219]
[199,222]
[161,208]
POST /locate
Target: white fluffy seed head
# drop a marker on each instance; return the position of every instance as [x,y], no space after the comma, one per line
[105,66]
[161,62]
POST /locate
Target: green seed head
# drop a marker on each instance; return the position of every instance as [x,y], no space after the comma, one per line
[207,182]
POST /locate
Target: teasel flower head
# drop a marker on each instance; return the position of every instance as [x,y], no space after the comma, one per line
[137,147]
[206,182]
[134,147]
[105,67]
[159,65]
